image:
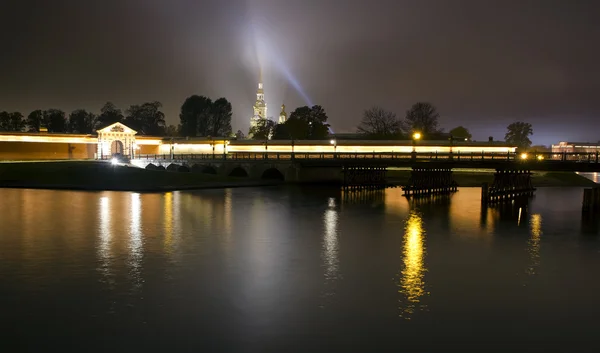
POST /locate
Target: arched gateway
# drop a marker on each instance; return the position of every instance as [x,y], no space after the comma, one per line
[116,138]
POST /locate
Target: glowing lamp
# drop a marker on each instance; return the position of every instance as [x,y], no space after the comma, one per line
[540,158]
[523,155]
[417,135]
[114,161]
[332,142]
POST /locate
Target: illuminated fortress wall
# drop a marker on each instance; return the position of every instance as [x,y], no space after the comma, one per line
[40,146]
[45,150]
[348,146]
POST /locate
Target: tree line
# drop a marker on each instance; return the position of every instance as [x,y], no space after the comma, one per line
[146,118]
[380,124]
[201,116]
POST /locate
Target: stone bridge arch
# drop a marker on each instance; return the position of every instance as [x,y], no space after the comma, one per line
[204,168]
[237,171]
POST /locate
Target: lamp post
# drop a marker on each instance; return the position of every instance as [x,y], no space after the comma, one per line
[172,149]
[416,136]
[292,146]
[334,143]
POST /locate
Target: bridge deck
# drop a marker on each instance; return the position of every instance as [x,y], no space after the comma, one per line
[576,162]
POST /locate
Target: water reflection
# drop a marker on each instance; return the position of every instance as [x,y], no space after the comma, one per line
[533,243]
[135,241]
[105,240]
[412,283]
[516,212]
[168,221]
[330,244]
[374,198]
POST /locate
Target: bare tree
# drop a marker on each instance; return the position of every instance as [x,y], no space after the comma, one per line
[422,117]
[378,123]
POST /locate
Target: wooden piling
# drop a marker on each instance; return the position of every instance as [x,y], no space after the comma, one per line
[587,200]
[485,188]
[596,198]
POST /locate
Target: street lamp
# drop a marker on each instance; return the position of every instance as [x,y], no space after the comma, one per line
[416,136]
[334,143]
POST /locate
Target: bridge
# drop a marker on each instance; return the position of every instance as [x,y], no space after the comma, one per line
[431,171]
[252,163]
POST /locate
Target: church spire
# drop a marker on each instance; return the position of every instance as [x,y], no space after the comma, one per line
[282,115]
[260,106]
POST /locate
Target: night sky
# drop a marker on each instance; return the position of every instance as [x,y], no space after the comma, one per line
[482,63]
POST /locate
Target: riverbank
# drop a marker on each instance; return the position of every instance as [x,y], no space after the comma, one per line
[97,175]
[477,178]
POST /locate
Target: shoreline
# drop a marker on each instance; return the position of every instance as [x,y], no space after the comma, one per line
[166,188]
[96,176]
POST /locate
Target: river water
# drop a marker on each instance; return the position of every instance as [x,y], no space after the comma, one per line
[295,270]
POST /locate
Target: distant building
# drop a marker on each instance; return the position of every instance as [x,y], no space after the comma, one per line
[576,147]
[282,115]
[260,106]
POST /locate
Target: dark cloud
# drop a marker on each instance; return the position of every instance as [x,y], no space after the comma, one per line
[483,63]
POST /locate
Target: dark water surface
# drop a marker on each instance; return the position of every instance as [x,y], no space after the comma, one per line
[295,270]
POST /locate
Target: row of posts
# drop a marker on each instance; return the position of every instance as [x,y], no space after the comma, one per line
[591,200]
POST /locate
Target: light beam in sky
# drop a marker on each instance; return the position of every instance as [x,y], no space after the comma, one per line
[267,57]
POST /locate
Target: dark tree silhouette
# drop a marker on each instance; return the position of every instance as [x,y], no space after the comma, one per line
[146,119]
[34,120]
[81,122]
[200,116]
[13,121]
[422,117]
[55,120]
[378,123]
[308,123]
[461,132]
[220,120]
[109,114]
[195,116]
[518,134]
[173,130]
[239,135]
[263,129]
[280,132]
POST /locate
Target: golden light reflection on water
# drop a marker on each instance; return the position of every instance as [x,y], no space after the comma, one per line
[136,250]
[533,248]
[168,221]
[227,215]
[330,241]
[468,219]
[105,240]
[412,282]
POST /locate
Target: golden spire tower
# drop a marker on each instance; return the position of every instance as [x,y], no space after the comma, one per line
[260,106]
[282,115]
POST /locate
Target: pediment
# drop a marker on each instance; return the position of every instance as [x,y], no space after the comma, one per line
[119,128]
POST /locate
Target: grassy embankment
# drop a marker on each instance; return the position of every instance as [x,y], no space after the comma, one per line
[471,177]
[97,175]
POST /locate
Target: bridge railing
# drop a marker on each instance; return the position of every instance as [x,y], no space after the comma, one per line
[416,156]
